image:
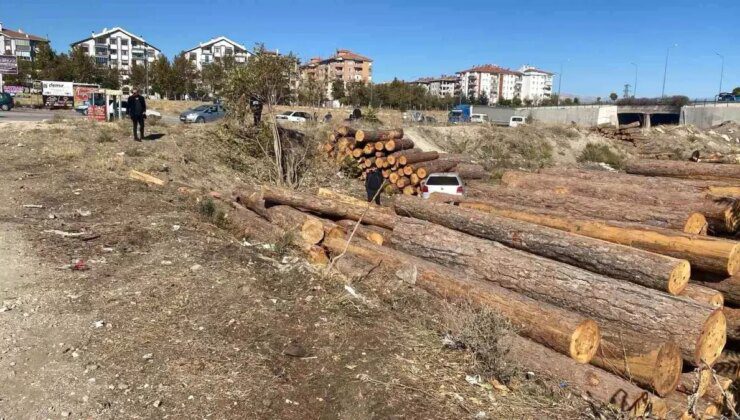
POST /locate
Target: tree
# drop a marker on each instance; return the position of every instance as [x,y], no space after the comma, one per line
[483,99]
[613,96]
[516,101]
[214,74]
[568,101]
[576,101]
[358,94]
[160,76]
[528,102]
[312,92]
[736,91]
[184,76]
[598,99]
[337,90]
[138,76]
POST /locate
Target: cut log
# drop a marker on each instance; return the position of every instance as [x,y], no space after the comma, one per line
[399,144]
[695,382]
[719,388]
[715,255]
[362,231]
[703,295]
[333,195]
[723,214]
[414,179]
[733,323]
[681,169]
[368,149]
[358,152]
[618,261]
[678,408]
[471,171]
[583,207]
[420,157]
[378,135]
[408,170]
[393,178]
[144,177]
[311,229]
[564,331]
[369,213]
[379,145]
[402,182]
[346,131]
[409,190]
[730,288]
[698,330]
[250,197]
[457,157]
[424,169]
[728,364]
[718,191]
[657,368]
[589,380]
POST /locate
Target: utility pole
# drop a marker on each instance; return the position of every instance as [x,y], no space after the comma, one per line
[721,72]
[665,69]
[634,87]
[626,93]
[560,82]
[146,70]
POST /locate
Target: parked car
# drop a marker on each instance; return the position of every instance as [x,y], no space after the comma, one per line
[479,118]
[203,114]
[442,182]
[728,97]
[6,102]
[516,121]
[294,116]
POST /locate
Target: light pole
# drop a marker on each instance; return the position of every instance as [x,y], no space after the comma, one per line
[721,72]
[560,82]
[665,69]
[634,87]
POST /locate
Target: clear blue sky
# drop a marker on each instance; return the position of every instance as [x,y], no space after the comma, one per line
[595,40]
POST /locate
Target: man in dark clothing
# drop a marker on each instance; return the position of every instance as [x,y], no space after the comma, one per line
[373,183]
[255,105]
[136,108]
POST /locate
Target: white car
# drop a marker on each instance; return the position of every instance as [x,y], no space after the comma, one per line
[479,118]
[442,182]
[294,116]
[516,121]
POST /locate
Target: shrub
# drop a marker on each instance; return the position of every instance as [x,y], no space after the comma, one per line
[601,153]
[207,207]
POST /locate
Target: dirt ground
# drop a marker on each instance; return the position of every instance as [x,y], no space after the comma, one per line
[152,311]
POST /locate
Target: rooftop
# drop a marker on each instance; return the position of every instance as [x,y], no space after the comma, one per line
[217,39]
[341,55]
[107,31]
[530,69]
[490,68]
[19,34]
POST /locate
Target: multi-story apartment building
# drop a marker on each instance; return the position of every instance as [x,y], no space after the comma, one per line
[119,49]
[217,49]
[345,65]
[536,84]
[497,83]
[440,86]
[20,44]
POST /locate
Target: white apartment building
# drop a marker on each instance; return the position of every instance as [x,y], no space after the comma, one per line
[536,84]
[118,49]
[440,86]
[495,82]
[216,49]
[19,43]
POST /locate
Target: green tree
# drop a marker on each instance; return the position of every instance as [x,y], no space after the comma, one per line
[184,76]
[517,101]
[483,99]
[598,99]
[613,96]
[576,101]
[214,74]
[357,94]
[736,91]
[160,77]
[138,75]
[337,90]
[312,92]
[568,101]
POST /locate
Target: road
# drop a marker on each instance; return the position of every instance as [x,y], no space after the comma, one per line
[19,114]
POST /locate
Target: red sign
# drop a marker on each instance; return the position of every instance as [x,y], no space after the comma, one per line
[96,112]
[83,95]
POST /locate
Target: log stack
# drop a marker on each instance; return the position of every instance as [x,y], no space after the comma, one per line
[401,164]
[611,307]
[627,132]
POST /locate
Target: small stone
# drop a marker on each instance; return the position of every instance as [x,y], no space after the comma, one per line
[295,350]
[148,356]
[157,403]
[66,413]
[166,262]
[195,267]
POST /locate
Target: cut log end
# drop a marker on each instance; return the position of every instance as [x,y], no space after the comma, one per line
[696,224]
[668,367]
[312,231]
[713,338]
[585,341]
[733,262]
[316,255]
[679,277]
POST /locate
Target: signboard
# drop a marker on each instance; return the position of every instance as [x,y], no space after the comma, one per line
[13,90]
[8,64]
[97,112]
[49,88]
[83,95]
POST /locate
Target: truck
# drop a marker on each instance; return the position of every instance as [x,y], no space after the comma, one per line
[485,114]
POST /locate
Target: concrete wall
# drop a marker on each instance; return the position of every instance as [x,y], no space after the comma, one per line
[705,116]
[581,115]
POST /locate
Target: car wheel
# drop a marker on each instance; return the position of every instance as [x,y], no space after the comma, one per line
[5,107]
[200,120]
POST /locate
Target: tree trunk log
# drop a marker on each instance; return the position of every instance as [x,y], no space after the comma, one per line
[728,364]
[730,288]
[457,157]
[564,331]
[598,384]
[704,295]
[251,198]
[346,131]
[714,255]
[695,382]
[584,207]
[733,323]
[331,207]
[618,261]
[377,135]
[680,169]
[699,331]
[310,229]
[424,169]
[362,231]
[678,408]
[471,171]
[399,144]
[420,157]
[723,214]
[717,388]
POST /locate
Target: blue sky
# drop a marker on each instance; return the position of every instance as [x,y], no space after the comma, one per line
[594,40]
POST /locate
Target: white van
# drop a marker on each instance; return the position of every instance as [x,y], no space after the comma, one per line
[516,121]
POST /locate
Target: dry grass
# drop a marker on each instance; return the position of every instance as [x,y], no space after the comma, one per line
[601,153]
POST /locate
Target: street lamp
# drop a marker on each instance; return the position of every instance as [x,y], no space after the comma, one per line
[634,87]
[560,80]
[721,71]
[665,69]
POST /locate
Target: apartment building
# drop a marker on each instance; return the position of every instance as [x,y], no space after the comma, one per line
[20,44]
[497,83]
[119,49]
[440,86]
[217,49]
[345,65]
[536,84]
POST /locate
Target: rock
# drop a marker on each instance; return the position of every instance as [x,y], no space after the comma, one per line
[295,350]
[157,403]
[196,267]
[148,356]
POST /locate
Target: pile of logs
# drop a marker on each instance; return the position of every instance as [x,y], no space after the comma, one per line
[627,132]
[402,165]
[597,272]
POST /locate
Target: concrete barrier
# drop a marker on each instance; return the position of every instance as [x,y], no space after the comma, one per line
[706,116]
[580,115]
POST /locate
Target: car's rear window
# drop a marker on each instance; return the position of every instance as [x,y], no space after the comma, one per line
[443,181]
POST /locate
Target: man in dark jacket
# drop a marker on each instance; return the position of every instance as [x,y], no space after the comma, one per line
[255,105]
[373,183]
[136,108]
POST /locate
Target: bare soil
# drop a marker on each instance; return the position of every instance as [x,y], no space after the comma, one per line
[169,316]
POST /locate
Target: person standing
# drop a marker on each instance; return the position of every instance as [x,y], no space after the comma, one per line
[373,183]
[256,106]
[136,108]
